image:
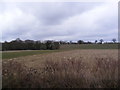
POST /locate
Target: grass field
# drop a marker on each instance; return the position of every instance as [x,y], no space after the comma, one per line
[93,68]
[89,46]
[15,54]
[72,66]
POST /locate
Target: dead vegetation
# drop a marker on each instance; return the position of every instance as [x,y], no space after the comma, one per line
[71,69]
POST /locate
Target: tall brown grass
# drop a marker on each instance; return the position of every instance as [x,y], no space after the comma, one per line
[66,73]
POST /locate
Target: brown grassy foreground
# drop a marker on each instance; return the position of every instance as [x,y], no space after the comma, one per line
[68,69]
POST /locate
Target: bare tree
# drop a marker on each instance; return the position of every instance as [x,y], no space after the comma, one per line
[95,41]
[101,41]
[114,40]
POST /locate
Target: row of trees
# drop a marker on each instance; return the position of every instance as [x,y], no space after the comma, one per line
[96,41]
[30,45]
[46,45]
[88,42]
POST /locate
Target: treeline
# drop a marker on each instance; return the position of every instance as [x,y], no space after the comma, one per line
[30,45]
[45,45]
[101,41]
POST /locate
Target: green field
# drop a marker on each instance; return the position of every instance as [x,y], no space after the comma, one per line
[8,55]
[89,46]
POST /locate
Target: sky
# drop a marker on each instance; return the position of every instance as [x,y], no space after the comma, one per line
[88,21]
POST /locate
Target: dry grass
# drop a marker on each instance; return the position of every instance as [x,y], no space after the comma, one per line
[69,69]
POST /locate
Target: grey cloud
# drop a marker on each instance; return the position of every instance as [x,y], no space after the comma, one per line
[55,13]
[59,21]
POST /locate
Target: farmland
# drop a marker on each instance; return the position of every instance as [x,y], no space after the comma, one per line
[14,54]
[73,67]
[19,53]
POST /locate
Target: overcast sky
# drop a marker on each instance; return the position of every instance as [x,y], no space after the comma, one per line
[87,21]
